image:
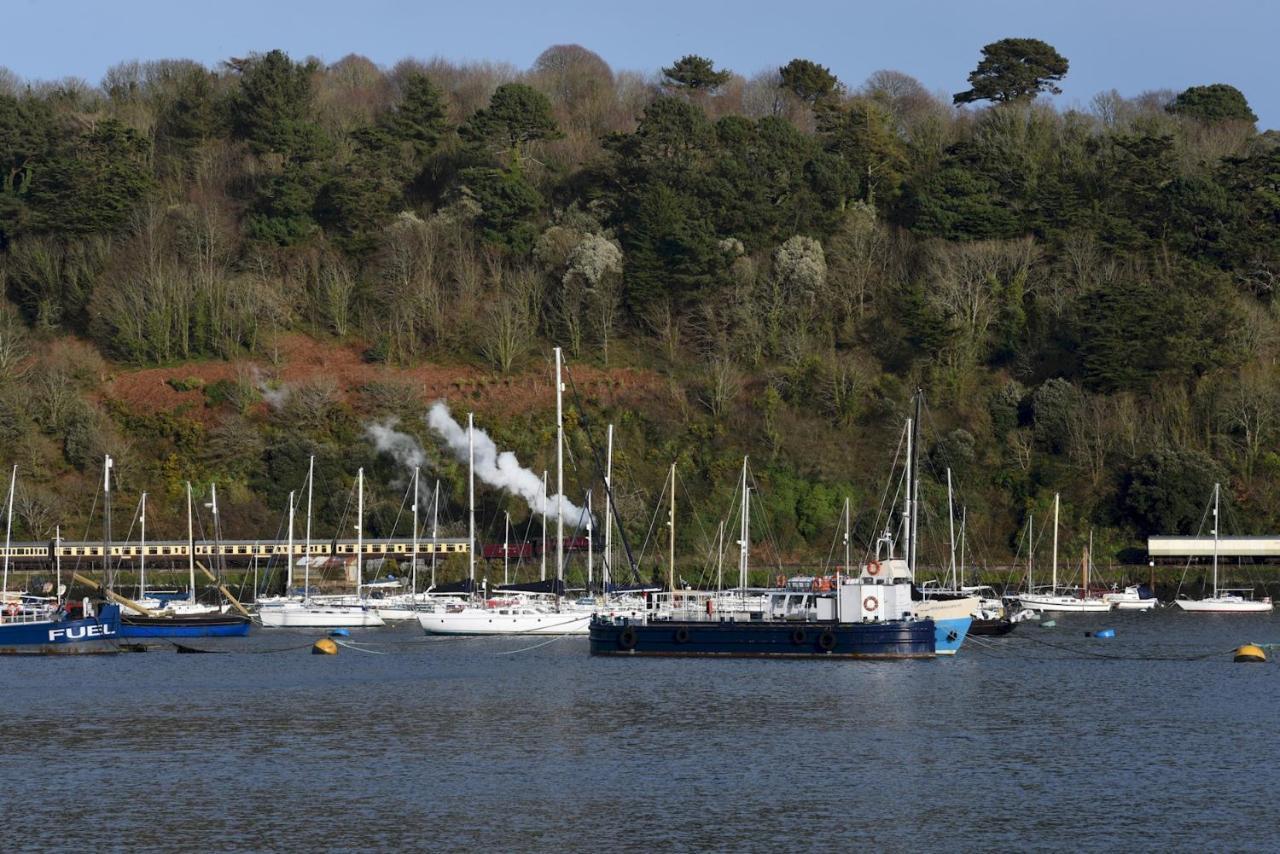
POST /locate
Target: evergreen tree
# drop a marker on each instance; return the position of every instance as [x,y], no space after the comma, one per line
[1014,70]
[694,74]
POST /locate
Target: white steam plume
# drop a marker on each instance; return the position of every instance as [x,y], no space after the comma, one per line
[399,445]
[275,397]
[502,470]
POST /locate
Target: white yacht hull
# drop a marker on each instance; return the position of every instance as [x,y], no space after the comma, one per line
[491,621]
[1134,604]
[299,616]
[1224,605]
[1063,604]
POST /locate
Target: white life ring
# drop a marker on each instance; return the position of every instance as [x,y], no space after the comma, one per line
[871,603]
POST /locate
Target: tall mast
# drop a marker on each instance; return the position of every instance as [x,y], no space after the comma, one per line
[951,526]
[217,535]
[506,549]
[591,550]
[720,558]
[108,571]
[606,563]
[413,570]
[306,548]
[744,534]
[559,472]
[359,532]
[1216,489]
[964,522]
[671,537]
[471,496]
[288,580]
[847,538]
[915,486]
[907,510]
[1055,543]
[1088,562]
[8,528]
[546,499]
[57,561]
[191,551]
[435,530]
[142,554]
[1031,545]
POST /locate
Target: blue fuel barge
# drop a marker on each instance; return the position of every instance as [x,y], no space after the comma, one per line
[38,634]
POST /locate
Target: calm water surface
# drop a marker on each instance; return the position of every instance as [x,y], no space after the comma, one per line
[470,745]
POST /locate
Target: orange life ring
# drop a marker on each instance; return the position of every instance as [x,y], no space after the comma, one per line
[780,581]
[12,610]
[870,603]
[873,568]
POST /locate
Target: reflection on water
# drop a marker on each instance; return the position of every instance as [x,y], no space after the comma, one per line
[454,743]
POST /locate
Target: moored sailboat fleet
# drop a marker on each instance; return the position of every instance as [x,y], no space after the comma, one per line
[876,608]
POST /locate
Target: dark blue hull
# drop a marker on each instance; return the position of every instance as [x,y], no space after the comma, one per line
[196,626]
[63,637]
[895,639]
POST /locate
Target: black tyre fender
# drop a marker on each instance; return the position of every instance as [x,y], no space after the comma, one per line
[827,640]
[798,636]
[682,635]
[627,639]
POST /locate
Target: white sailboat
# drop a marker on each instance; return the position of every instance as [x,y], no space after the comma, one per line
[516,614]
[1058,600]
[312,613]
[1223,600]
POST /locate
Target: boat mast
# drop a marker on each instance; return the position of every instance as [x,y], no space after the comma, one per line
[559,473]
[847,538]
[964,522]
[546,499]
[413,565]
[1216,489]
[720,558]
[591,553]
[217,535]
[1031,545]
[57,561]
[506,549]
[435,525]
[1055,544]
[8,527]
[671,538]
[359,532]
[606,562]
[907,510]
[471,499]
[306,548]
[288,580]
[915,485]
[191,551]
[108,572]
[744,536]
[1088,562]
[951,526]
[142,554]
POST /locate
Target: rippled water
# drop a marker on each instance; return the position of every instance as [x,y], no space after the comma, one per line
[461,744]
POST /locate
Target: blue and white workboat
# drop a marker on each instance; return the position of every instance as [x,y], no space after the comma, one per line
[58,634]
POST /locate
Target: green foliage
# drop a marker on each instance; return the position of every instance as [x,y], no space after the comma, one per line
[809,81]
[696,74]
[1217,102]
[516,116]
[272,109]
[1014,70]
[507,203]
[1168,489]
[90,183]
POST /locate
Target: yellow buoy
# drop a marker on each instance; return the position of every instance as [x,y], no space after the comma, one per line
[1250,652]
[324,646]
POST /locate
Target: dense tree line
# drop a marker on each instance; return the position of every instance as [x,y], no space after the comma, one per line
[1087,297]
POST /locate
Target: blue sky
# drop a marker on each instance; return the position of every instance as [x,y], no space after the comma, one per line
[1129,45]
